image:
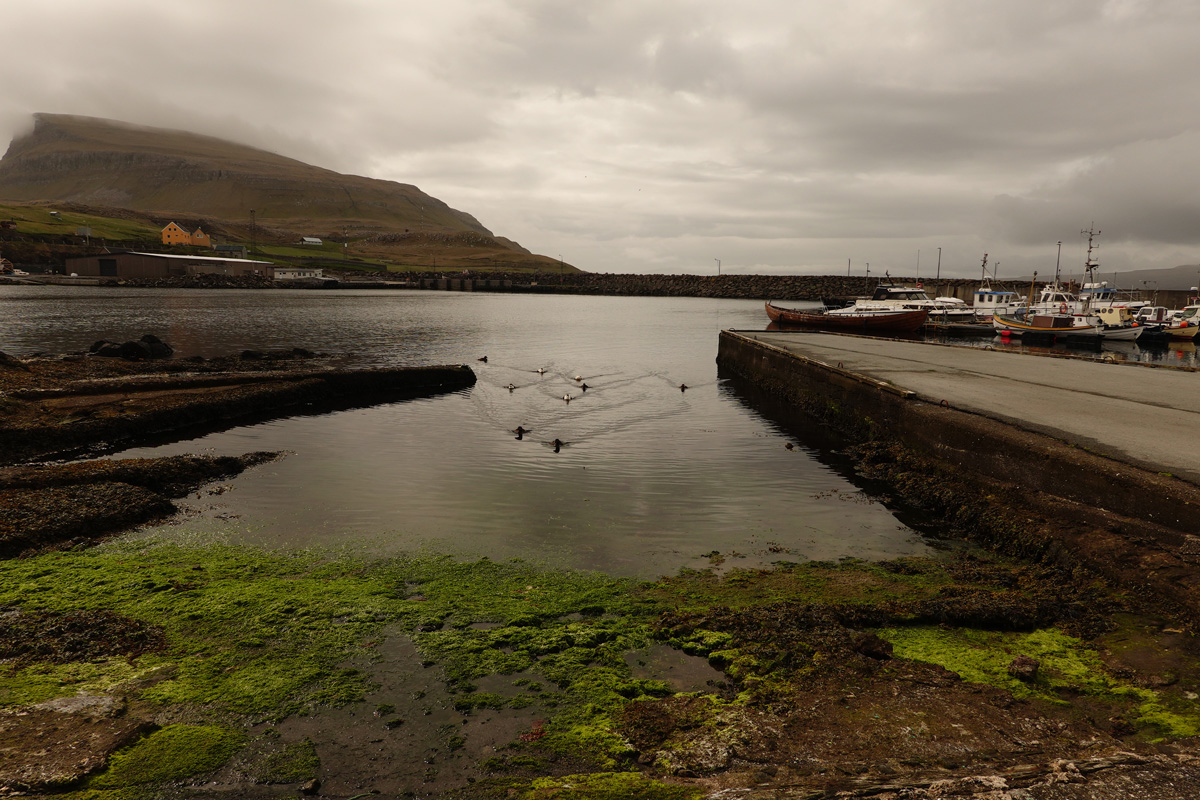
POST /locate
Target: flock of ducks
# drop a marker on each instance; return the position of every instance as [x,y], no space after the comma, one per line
[558,444]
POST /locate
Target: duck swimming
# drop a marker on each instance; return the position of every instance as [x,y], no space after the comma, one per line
[558,444]
[510,387]
[584,387]
[683,387]
[578,378]
[519,431]
[483,359]
[567,397]
[790,446]
[541,371]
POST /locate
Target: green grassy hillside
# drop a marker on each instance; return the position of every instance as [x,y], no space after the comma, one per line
[109,164]
[36,220]
[126,182]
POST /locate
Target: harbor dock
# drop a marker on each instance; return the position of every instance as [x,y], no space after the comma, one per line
[1141,415]
[1094,461]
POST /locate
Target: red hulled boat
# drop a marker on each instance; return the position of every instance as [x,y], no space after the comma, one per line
[851,320]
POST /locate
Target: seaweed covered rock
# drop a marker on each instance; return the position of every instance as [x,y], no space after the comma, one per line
[8,362]
[149,346]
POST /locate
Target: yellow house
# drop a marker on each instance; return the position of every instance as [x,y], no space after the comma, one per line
[173,234]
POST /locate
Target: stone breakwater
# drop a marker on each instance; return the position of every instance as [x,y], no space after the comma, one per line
[743,287]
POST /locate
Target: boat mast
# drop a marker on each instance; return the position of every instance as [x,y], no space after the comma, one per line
[1090,266]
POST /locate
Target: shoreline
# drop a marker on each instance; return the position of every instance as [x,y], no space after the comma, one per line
[163,667]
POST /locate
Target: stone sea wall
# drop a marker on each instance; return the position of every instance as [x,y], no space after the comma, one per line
[747,287]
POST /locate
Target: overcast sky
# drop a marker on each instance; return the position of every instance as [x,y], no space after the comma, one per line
[779,136]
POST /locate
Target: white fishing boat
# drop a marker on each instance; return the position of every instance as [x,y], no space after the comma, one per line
[989,300]
[1162,327]
[891,297]
[1119,324]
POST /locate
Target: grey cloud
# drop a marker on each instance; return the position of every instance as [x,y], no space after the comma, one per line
[636,136]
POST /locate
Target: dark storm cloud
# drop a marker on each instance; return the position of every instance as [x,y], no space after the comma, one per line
[634,136]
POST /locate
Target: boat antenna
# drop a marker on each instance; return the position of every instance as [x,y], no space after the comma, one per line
[1057,263]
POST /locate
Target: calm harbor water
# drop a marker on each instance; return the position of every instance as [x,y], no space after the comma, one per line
[651,479]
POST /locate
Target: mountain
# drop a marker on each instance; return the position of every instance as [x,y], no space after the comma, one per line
[99,163]
[1180,278]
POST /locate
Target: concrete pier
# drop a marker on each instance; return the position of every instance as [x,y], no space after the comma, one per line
[1145,416]
[1099,462]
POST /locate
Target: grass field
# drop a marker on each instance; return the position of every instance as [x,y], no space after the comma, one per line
[36,220]
[63,231]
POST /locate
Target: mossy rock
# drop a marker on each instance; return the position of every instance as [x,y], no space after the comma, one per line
[169,754]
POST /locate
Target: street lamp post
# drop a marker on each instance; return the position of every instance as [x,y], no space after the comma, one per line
[718,266]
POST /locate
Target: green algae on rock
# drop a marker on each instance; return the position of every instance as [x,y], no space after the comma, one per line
[252,637]
[607,786]
[169,754]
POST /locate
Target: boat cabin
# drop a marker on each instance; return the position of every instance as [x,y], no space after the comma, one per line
[1047,321]
[1098,293]
[899,293]
[1116,316]
[995,297]
[1190,315]
[1153,315]
[1055,295]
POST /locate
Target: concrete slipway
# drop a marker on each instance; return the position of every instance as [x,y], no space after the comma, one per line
[1099,462]
[1142,415]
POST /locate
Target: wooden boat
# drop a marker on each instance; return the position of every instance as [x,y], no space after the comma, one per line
[851,320]
[1055,325]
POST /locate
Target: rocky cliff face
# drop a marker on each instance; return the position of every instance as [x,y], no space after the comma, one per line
[105,163]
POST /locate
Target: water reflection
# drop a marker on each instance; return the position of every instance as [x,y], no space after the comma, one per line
[1176,354]
[649,479]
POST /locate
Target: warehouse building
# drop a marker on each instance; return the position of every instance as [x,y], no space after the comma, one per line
[162,265]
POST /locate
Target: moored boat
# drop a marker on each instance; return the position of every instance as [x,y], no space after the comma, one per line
[1162,326]
[1119,324]
[1052,325]
[851,320]
[989,300]
[891,297]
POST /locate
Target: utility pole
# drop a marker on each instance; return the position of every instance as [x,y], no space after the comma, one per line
[718,266]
